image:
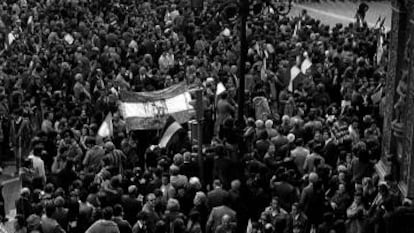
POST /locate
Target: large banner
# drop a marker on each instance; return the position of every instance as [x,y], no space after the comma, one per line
[150,110]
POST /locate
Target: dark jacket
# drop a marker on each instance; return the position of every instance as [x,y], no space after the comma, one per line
[131,208]
[123,225]
[23,207]
[216,197]
[216,215]
[312,201]
[286,192]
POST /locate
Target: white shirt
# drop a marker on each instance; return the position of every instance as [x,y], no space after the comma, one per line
[166,61]
[38,166]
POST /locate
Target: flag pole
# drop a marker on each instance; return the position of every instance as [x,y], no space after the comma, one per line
[200,115]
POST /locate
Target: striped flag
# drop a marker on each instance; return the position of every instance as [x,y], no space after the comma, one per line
[170,129]
[150,110]
[107,127]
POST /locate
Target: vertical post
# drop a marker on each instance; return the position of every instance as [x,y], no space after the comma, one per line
[244,11]
[200,116]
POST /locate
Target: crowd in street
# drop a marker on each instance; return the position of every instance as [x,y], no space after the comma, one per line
[304,162]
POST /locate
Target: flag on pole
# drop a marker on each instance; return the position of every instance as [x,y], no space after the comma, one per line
[380,42]
[170,129]
[297,28]
[107,128]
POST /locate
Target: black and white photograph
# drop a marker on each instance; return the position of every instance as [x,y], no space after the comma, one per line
[206,116]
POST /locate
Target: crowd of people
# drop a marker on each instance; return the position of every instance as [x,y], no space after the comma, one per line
[303,163]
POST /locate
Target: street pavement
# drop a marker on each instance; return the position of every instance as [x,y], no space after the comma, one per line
[331,12]
[11,191]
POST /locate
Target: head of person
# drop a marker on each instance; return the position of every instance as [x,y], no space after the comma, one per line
[118,210]
[268,124]
[217,184]
[173,205]
[200,199]
[358,198]
[275,202]
[59,202]
[151,199]
[107,213]
[132,190]
[194,183]
[174,170]
[50,209]
[313,178]
[296,209]
[235,185]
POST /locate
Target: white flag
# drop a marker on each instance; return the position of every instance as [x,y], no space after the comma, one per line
[306,64]
[294,72]
[107,128]
[220,88]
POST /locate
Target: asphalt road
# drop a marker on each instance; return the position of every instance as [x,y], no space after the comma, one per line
[333,12]
[11,191]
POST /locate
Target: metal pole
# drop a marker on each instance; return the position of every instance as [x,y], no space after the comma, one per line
[200,116]
[244,10]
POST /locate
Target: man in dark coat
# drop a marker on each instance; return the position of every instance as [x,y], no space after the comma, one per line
[217,196]
[131,205]
[312,200]
[188,168]
[217,214]
[123,225]
[23,205]
[286,192]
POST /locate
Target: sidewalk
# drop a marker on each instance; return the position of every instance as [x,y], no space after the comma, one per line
[11,191]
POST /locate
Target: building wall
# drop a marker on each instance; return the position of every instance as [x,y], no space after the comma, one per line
[398,131]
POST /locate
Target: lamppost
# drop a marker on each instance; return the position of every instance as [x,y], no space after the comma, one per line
[279,7]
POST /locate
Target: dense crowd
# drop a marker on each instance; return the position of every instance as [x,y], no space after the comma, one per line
[306,161]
